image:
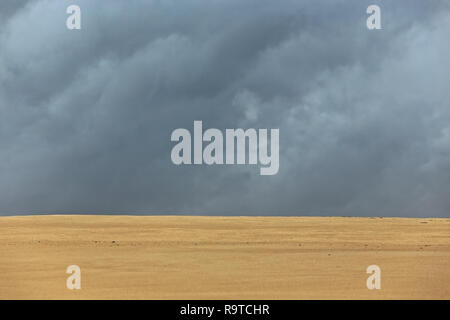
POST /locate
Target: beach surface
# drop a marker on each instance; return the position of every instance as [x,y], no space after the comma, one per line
[186,257]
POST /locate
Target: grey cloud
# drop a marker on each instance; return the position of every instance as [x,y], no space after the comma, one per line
[86,116]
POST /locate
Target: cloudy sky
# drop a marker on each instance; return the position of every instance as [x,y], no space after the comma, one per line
[86,115]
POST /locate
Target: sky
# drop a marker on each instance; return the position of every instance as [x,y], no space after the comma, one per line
[86,115]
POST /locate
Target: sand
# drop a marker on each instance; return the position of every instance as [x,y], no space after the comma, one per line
[172,257]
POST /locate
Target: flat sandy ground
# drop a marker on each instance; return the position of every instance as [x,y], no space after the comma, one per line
[128,257]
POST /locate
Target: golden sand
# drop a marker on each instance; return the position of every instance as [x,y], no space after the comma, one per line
[172,257]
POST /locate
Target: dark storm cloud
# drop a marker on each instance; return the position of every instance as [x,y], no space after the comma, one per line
[10,7]
[86,116]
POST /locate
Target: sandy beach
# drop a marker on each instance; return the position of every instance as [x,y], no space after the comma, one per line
[173,257]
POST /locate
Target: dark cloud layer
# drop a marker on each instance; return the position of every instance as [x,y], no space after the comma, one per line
[86,116]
